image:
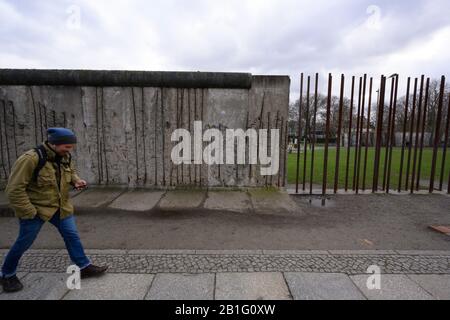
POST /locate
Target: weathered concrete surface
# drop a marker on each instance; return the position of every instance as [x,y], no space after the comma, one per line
[137,200]
[182,199]
[124,130]
[94,198]
[182,287]
[113,287]
[322,286]
[40,286]
[251,286]
[438,285]
[393,287]
[272,201]
[228,200]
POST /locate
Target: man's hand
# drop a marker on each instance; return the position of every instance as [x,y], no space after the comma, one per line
[80,184]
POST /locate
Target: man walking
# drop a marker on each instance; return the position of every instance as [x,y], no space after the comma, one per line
[38,191]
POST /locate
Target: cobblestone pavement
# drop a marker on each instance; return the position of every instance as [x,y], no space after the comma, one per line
[202,261]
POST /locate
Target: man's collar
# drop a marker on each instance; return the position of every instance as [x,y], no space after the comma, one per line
[51,153]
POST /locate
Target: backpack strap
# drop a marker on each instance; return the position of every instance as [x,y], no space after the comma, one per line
[42,153]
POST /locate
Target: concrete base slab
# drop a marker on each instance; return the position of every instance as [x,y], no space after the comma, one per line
[96,197]
[137,200]
[113,287]
[182,287]
[251,286]
[237,201]
[393,287]
[74,193]
[438,285]
[273,202]
[322,286]
[40,286]
[182,199]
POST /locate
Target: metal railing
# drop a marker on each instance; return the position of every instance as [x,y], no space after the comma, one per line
[368,131]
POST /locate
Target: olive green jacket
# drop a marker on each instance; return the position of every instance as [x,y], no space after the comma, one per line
[43,197]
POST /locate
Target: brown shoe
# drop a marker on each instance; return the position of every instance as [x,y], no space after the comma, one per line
[92,271]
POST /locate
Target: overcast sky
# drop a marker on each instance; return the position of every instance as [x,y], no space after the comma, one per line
[257,36]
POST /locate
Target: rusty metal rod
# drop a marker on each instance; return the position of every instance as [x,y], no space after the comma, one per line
[424,119]
[403,136]
[394,112]
[349,143]
[437,134]
[361,131]
[388,135]
[416,142]
[367,135]
[379,131]
[408,164]
[327,134]
[355,159]
[338,138]
[5,125]
[307,133]
[313,142]
[299,133]
[13,112]
[444,147]
[1,144]
[285,146]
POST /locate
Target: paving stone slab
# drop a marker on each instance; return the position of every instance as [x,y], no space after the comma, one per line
[424,252]
[295,252]
[94,198]
[393,287]
[137,200]
[182,199]
[169,286]
[322,286]
[160,251]
[113,287]
[40,286]
[251,286]
[438,285]
[246,252]
[363,252]
[237,201]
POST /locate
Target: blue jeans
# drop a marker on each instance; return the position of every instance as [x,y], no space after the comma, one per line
[29,229]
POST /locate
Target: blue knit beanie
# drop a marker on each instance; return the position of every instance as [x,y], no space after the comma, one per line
[58,136]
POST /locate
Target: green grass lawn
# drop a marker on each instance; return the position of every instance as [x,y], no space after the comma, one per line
[395,167]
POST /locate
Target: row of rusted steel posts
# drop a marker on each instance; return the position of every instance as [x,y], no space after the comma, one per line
[412,152]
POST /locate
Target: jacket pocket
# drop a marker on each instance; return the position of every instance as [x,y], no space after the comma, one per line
[45,179]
